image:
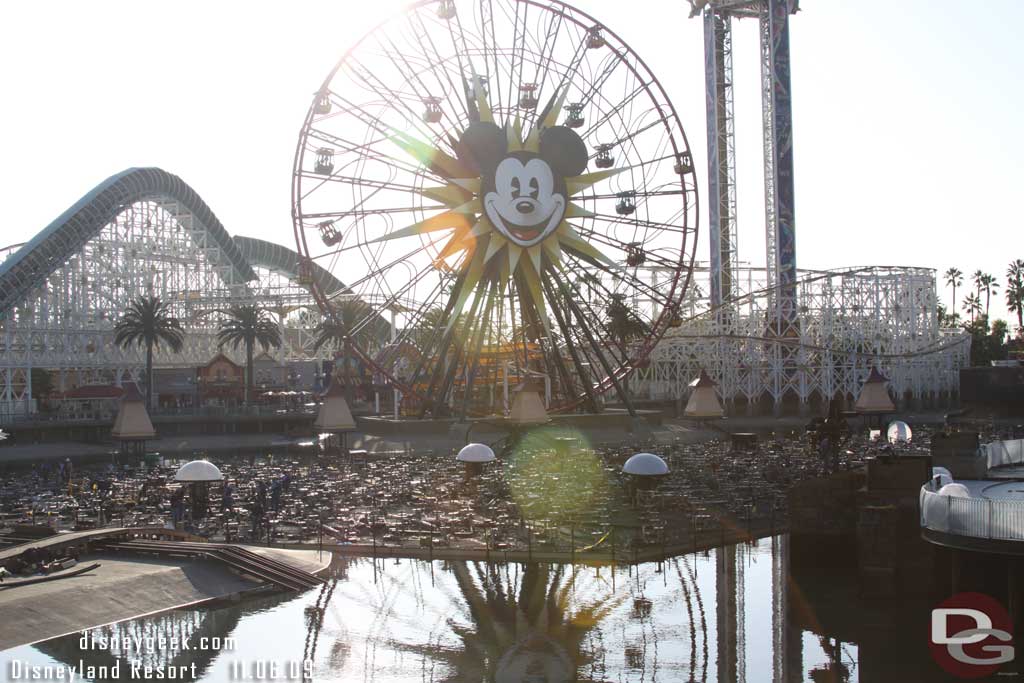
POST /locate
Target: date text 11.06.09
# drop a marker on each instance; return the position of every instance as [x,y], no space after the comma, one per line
[270,670]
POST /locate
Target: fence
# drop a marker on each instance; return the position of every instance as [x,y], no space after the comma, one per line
[1003,453]
[975,517]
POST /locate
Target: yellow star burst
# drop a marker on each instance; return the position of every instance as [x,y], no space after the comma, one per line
[474,244]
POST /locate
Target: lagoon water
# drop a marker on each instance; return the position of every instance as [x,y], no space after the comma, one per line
[732,614]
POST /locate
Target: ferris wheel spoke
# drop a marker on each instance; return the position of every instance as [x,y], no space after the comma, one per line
[654,161]
[372,81]
[412,330]
[570,345]
[516,41]
[638,194]
[618,142]
[572,68]
[595,88]
[427,97]
[477,345]
[546,56]
[394,297]
[612,112]
[487,26]
[428,363]
[362,182]
[367,151]
[465,69]
[389,133]
[581,321]
[362,213]
[458,351]
[382,270]
[617,220]
[434,57]
[621,246]
[656,297]
[547,344]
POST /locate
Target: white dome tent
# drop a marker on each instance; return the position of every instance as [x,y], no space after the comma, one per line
[645,470]
[645,465]
[198,471]
[474,456]
[476,453]
[197,476]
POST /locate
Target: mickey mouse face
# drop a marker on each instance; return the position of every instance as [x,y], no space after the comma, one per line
[523,193]
[525,205]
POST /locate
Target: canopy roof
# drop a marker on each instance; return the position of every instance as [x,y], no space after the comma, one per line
[132,422]
[198,470]
[475,452]
[645,465]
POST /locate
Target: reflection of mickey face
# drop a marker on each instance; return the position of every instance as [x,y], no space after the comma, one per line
[523,193]
[524,205]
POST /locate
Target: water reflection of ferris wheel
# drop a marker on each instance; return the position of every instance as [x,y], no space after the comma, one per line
[462,620]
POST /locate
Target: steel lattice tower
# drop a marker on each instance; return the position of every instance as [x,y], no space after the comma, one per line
[777,120]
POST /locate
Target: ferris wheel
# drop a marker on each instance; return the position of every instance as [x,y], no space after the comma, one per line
[506,185]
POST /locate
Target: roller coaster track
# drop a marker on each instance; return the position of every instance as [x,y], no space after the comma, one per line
[28,267]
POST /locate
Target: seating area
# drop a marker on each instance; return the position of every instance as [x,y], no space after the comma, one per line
[550,492]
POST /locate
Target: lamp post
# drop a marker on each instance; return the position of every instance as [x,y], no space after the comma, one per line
[193,382]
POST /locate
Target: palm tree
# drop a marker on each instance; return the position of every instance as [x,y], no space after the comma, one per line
[339,332]
[1015,292]
[622,323]
[954,278]
[972,304]
[989,284]
[976,277]
[148,322]
[249,324]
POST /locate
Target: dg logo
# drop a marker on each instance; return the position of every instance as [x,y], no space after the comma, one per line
[971,635]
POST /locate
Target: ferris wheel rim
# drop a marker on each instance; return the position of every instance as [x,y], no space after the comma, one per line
[668,117]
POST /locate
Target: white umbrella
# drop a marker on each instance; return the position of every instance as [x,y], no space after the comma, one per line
[475,452]
[198,470]
[645,465]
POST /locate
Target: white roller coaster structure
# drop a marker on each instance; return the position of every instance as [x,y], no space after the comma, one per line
[142,231]
[145,232]
[848,321]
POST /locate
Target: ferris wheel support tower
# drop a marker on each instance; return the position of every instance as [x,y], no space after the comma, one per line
[777,120]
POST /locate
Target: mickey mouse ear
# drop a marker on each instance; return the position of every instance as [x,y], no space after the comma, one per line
[564,150]
[482,146]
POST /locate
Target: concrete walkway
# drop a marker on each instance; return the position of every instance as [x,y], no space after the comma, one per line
[125,587]
[121,588]
[185,446]
[189,445]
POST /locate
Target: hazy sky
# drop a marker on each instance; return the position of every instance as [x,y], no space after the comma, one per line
[907,128]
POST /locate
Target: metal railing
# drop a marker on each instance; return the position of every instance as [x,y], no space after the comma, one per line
[987,518]
[1003,453]
[87,416]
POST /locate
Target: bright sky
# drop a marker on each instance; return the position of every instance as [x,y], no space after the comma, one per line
[907,125]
